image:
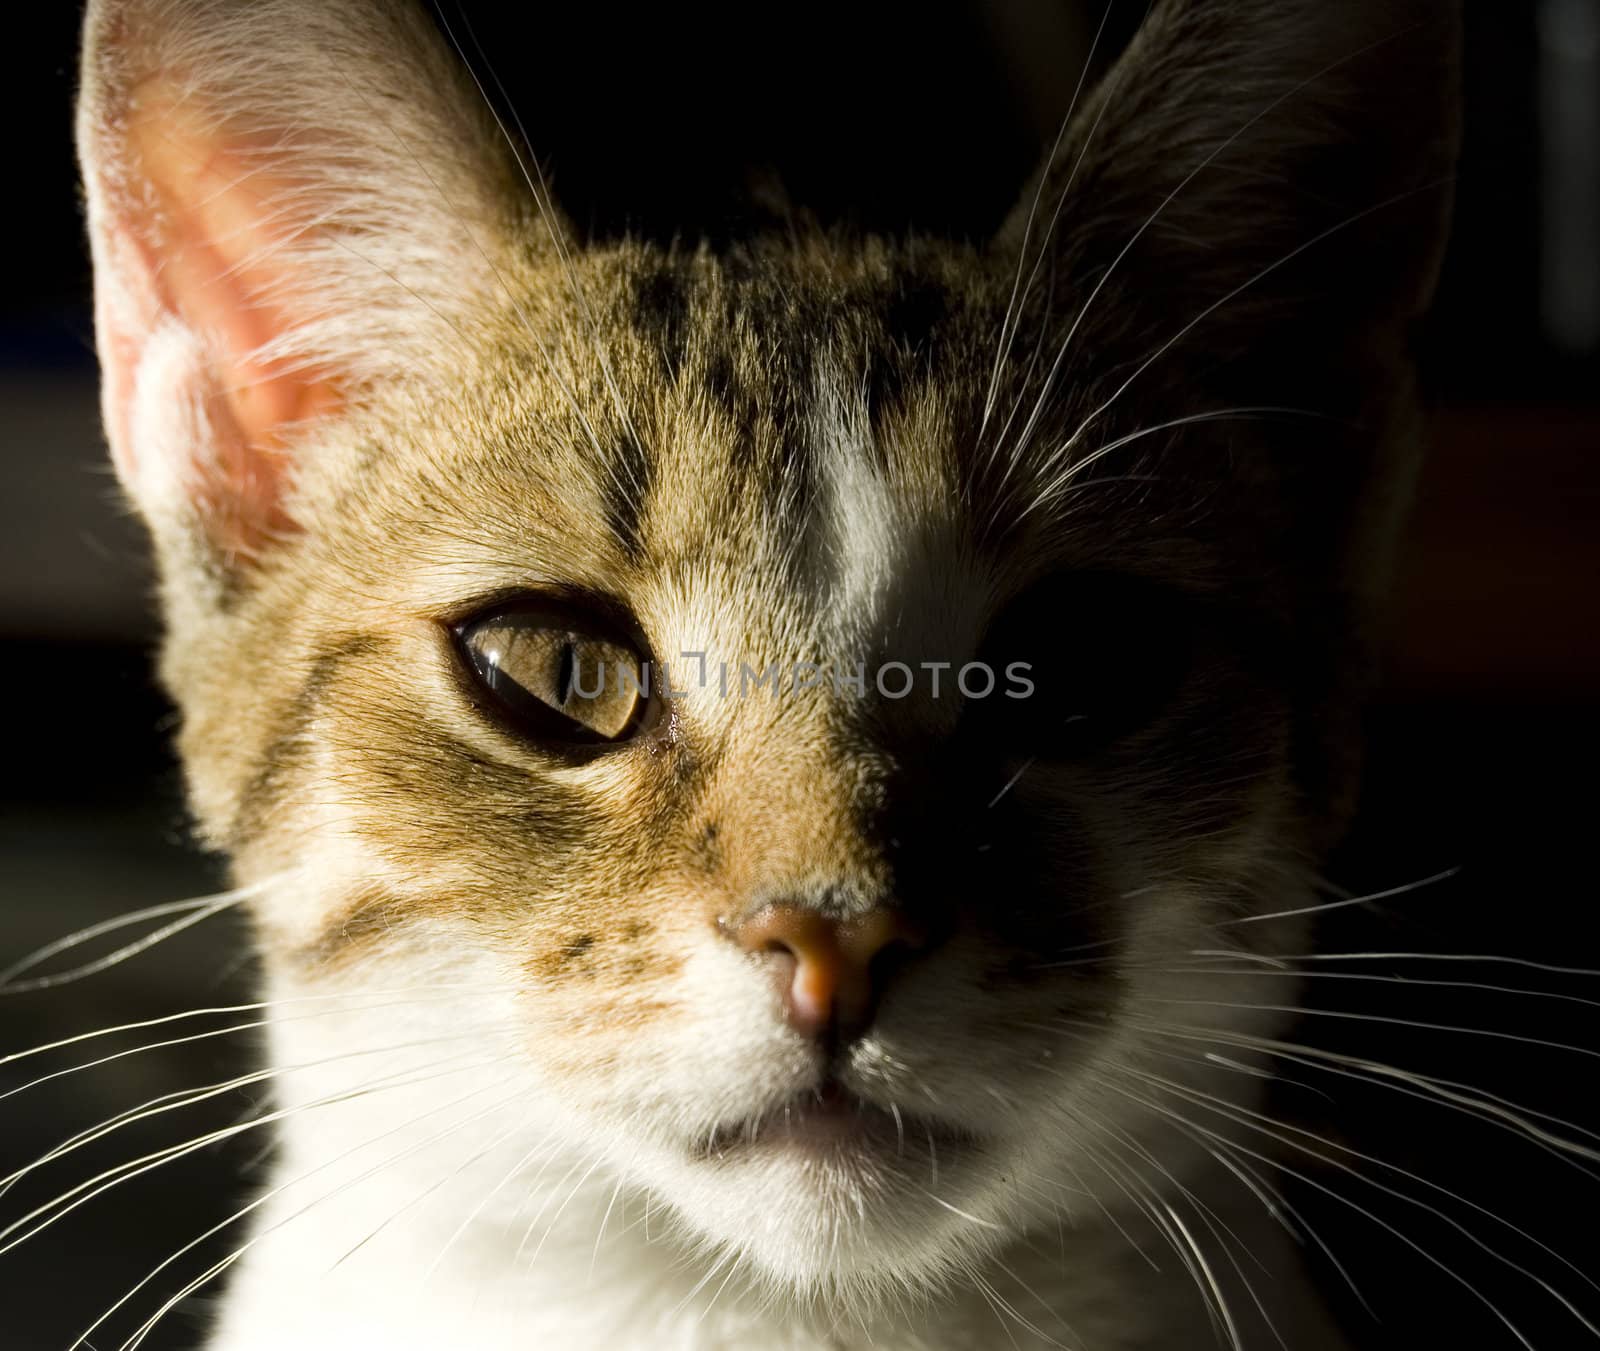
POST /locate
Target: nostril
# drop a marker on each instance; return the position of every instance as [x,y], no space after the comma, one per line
[889,961]
[784,962]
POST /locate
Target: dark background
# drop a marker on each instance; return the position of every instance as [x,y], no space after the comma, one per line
[1482,744]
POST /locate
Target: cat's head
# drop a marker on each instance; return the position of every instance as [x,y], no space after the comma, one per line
[1029,583]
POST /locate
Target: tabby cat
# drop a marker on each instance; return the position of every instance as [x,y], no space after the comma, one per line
[759,772]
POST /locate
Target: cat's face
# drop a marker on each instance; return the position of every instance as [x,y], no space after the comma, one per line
[1045,841]
[1046,721]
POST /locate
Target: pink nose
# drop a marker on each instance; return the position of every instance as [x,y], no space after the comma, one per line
[830,971]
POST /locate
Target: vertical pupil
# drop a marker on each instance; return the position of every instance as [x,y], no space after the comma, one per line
[568,668]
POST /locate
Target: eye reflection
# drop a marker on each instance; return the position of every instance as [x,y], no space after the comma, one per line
[556,673]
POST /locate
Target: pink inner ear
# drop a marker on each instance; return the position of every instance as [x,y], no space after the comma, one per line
[196,239]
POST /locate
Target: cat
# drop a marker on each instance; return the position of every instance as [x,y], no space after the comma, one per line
[657,954]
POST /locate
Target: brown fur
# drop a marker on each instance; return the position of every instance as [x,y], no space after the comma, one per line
[780,452]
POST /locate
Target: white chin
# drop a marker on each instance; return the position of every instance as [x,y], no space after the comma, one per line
[830,1208]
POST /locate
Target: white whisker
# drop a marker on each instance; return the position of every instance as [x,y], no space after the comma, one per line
[193,911]
[1387,894]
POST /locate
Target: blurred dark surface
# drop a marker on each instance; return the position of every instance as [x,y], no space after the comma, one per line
[1482,749]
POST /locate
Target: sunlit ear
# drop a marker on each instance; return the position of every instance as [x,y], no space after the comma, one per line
[290,202]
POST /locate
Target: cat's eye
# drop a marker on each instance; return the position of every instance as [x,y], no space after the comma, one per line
[558,673]
[1102,656]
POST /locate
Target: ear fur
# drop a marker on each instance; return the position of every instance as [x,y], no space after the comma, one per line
[1259,190]
[290,202]
[1293,154]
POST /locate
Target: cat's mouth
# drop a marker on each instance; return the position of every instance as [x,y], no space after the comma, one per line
[832,1119]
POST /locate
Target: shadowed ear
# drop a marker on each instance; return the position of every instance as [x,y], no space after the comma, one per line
[1286,161]
[1252,209]
[290,202]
